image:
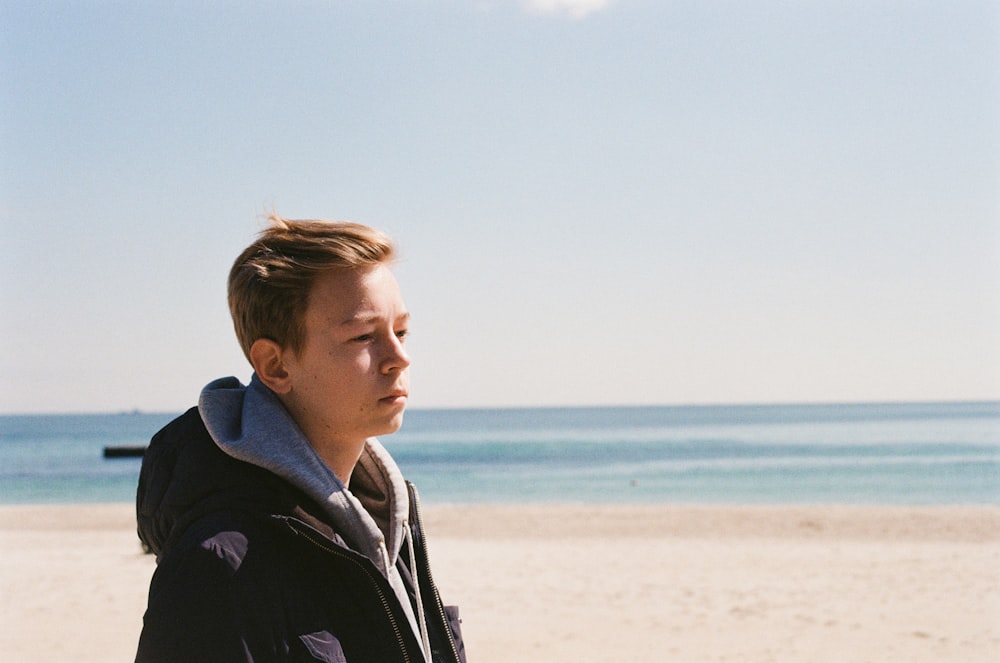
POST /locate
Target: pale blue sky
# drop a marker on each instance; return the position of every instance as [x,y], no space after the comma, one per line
[629,202]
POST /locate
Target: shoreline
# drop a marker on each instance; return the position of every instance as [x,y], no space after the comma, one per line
[566,582]
[950,522]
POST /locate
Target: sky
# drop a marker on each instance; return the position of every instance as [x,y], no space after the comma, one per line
[596,202]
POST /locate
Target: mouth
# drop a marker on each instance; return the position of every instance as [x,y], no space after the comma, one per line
[395,398]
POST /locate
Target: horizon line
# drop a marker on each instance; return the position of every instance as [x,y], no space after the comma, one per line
[605,406]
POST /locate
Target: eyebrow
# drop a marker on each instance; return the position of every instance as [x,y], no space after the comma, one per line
[369,319]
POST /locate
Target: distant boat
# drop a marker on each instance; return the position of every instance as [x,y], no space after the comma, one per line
[125,451]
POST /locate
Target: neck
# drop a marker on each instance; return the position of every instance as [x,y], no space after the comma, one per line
[340,457]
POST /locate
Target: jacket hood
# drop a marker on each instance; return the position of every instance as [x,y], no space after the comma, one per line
[240,451]
[250,424]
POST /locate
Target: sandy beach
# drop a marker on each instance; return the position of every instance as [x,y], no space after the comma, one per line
[596,584]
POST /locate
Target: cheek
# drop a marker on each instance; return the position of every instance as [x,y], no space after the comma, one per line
[343,375]
[357,365]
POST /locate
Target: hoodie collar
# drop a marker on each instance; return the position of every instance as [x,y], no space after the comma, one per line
[250,424]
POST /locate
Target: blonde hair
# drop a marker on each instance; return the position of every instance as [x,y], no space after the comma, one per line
[270,282]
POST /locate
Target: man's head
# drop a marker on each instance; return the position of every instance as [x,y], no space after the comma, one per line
[321,319]
[270,282]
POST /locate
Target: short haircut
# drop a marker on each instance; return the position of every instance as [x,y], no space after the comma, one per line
[270,282]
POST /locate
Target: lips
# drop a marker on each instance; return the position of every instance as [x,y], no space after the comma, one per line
[398,396]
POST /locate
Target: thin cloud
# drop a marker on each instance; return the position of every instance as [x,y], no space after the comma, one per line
[572,8]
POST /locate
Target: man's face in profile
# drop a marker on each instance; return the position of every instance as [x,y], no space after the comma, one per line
[350,379]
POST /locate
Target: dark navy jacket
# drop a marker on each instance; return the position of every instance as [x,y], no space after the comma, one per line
[248,569]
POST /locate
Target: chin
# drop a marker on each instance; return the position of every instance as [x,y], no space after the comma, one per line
[391,426]
[397,422]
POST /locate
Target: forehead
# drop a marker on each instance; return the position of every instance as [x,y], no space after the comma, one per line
[343,295]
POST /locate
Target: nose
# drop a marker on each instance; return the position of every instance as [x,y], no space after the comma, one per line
[396,358]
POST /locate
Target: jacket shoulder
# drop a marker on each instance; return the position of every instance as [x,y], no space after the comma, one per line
[201,607]
[239,584]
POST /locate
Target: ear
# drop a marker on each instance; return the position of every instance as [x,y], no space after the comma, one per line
[268,362]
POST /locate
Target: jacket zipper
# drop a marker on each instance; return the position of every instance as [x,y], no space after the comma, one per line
[425,564]
[306,532]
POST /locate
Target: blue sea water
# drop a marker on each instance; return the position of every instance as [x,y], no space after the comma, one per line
[909,453]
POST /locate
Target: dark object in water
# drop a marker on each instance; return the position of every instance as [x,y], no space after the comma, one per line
[125,451]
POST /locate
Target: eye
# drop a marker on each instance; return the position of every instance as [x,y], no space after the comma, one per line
[402,334]
[364,338]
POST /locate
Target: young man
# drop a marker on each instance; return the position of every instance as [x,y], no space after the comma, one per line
[283,530]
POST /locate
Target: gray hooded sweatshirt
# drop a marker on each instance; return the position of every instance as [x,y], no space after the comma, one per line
[250,424]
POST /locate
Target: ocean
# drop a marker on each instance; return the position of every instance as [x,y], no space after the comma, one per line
[900,453]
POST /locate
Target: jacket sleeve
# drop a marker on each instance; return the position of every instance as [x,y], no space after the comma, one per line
[196,610]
